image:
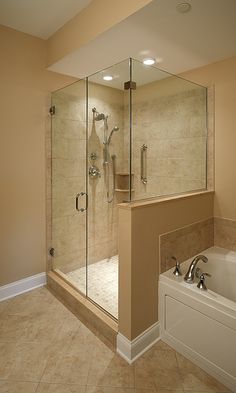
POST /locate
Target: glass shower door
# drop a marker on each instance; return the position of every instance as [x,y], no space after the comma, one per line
[69,197]
[108,180]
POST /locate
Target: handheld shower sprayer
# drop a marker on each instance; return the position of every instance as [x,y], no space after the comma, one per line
[116,128]
[107,160]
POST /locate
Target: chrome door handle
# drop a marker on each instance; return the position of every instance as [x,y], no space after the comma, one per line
[143,171]
[79,195]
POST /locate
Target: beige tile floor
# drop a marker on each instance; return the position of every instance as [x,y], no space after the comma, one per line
[44,348]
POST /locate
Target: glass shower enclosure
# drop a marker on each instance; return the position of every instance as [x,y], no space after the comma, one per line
[128,133]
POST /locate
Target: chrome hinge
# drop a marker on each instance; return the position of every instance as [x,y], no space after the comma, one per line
[52,110]
[52,251]
[130,85]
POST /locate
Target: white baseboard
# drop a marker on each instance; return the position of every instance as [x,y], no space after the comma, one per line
[26,284]
[132,350]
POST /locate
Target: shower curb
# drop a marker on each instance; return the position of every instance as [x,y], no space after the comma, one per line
[90,315]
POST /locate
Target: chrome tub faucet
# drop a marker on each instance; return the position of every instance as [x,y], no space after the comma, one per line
[189,276]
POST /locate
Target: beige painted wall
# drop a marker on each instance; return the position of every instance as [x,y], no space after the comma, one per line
[223,76]
[24,99]
[99,16]
[140,225]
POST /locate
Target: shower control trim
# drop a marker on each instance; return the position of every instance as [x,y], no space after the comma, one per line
[94,172]
[79,195]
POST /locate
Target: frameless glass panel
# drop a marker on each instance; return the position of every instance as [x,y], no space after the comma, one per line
[108,181]
[169,134]
[69,183]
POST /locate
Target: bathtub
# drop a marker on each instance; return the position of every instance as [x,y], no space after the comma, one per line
[201,325]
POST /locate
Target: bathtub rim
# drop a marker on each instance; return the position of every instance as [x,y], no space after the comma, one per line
[212,297]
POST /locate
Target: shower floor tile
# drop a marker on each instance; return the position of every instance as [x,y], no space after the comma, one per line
[102,283]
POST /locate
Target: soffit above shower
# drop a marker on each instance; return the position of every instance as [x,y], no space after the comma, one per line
[40,18]
[180,42]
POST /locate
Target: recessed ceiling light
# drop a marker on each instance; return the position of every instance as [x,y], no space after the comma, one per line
[149,61]
[183,7]
[108,78]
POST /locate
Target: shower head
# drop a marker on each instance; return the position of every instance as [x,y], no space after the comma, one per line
[99,116]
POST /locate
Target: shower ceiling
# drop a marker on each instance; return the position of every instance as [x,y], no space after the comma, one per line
[184,41]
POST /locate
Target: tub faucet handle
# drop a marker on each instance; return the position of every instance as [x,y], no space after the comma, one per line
[177,271]
[201,275]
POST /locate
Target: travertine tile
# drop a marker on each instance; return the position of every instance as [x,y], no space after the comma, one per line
[171,391]
[185,242]
[110,370]
[225,233]
[71,365]
[169,379]
[34,302]
[26,319]
[60,388]
[102,283]
[3,305]
[176,126]
[96,389]
[195,379]
[17,387]
[99,389]
[23,361]
[145,390]
[149,367]
[69,173]
[76,358]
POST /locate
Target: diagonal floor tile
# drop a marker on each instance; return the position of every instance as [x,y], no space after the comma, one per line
[17,387]
[60,388]
[168,379]
[3,305]
[97,389]
[112,371]
[40,318]
[71,364]
[195,379]
[22,362]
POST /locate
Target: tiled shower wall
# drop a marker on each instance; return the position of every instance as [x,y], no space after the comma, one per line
[172,124]
[103,216]
[69,176]
[169,116]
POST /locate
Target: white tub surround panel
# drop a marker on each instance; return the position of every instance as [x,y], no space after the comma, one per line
[202,324]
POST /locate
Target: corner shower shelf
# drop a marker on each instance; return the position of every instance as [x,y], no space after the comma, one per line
[123,174]
[123,182]
[122,190]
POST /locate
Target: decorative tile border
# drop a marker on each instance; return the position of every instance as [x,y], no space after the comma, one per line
[225,233]
[185,242]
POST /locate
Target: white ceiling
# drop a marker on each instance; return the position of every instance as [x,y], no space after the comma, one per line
[182,41]
[40,18]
